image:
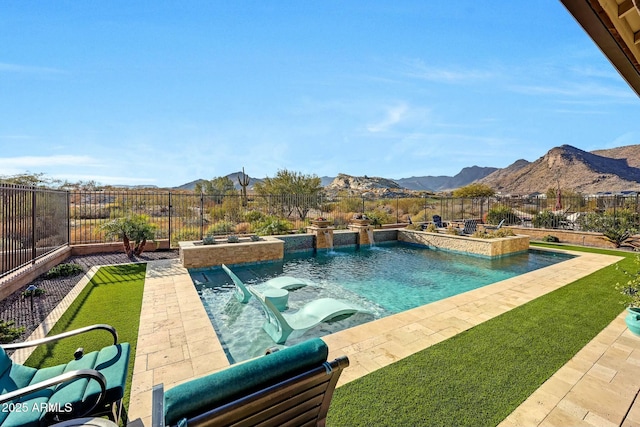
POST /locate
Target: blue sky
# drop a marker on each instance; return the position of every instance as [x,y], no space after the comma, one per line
[163,93]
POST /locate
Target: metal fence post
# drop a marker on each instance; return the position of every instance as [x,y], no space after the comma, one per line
[169,231]
[33,226]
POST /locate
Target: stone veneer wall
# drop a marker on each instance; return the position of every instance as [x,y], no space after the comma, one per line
[18,279]
[469,245]
[383,235]
[100,248]
[198,256]
[583,238]
[297,242]
[344,238]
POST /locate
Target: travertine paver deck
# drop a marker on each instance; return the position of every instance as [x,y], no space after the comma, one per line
[177,342]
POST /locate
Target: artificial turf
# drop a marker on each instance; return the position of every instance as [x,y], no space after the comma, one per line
[112,296]
[478,377]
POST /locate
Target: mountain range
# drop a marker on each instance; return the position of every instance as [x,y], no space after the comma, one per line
[567,167]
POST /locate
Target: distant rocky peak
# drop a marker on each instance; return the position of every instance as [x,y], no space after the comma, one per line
[361,183]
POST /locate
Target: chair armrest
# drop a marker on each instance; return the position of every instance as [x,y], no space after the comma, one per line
[91,374]
[67,334]
[157,406]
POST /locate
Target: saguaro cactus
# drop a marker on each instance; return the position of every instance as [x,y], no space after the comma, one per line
[244,183]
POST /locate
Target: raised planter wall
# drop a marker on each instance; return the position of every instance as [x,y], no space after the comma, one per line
[582,238]
[100,248]
[21,278]
[194,255]
[468,245]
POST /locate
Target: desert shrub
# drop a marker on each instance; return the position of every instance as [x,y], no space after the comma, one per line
[185,234]
[253,216]
[499,212]
[503,232]
[243,228]
[548,219]
[379,217]
[551,239]
[91,212]
[599,222]
[617,228]
[431,228]
[63,270]
[36,292]
[233,208]
[416,227]
[350,204]
[217,213]
[411,205]
[271,225]
[221,227]
[482,235]
[8,332]
[341,219]
[233,239]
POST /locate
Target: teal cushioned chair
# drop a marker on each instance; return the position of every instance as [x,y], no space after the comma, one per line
[295,383]
[91,384]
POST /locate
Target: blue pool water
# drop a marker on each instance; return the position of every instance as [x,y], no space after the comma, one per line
[385,280]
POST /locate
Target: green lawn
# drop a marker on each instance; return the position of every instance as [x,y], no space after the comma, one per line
[113,296]
[480,376]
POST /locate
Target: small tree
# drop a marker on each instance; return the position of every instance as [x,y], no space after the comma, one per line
[134,228]
[297,191]
[474,191]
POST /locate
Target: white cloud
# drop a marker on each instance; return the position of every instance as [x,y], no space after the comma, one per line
[17,68]
[393,116]
[418,69]
[28,162]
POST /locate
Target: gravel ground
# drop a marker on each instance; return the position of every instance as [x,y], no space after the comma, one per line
[18,309]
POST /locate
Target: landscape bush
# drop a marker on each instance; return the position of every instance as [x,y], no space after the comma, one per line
[271,225]
[548,219]
[616,227]
[8,332]
[63,270]
[499,212]
[243,228]
[185,234]
[253,216]
[221,227]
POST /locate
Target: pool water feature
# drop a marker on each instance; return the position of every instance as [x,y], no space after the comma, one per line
[385,279]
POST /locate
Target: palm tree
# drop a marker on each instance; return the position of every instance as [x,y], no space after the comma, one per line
[134,228]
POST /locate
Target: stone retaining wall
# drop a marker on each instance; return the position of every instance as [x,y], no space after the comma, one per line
[581,238]
[467,245]
[193,255]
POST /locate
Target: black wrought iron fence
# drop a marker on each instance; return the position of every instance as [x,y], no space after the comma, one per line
[35,222]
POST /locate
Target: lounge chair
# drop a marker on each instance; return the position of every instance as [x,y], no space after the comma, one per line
[284,282]
[90,385]
[280,325]
[437,221]
[495,227]
[470,226]
[292,386]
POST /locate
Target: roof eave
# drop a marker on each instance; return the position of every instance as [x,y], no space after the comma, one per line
[599,27]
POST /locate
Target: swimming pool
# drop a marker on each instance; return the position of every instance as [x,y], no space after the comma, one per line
[385,280]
